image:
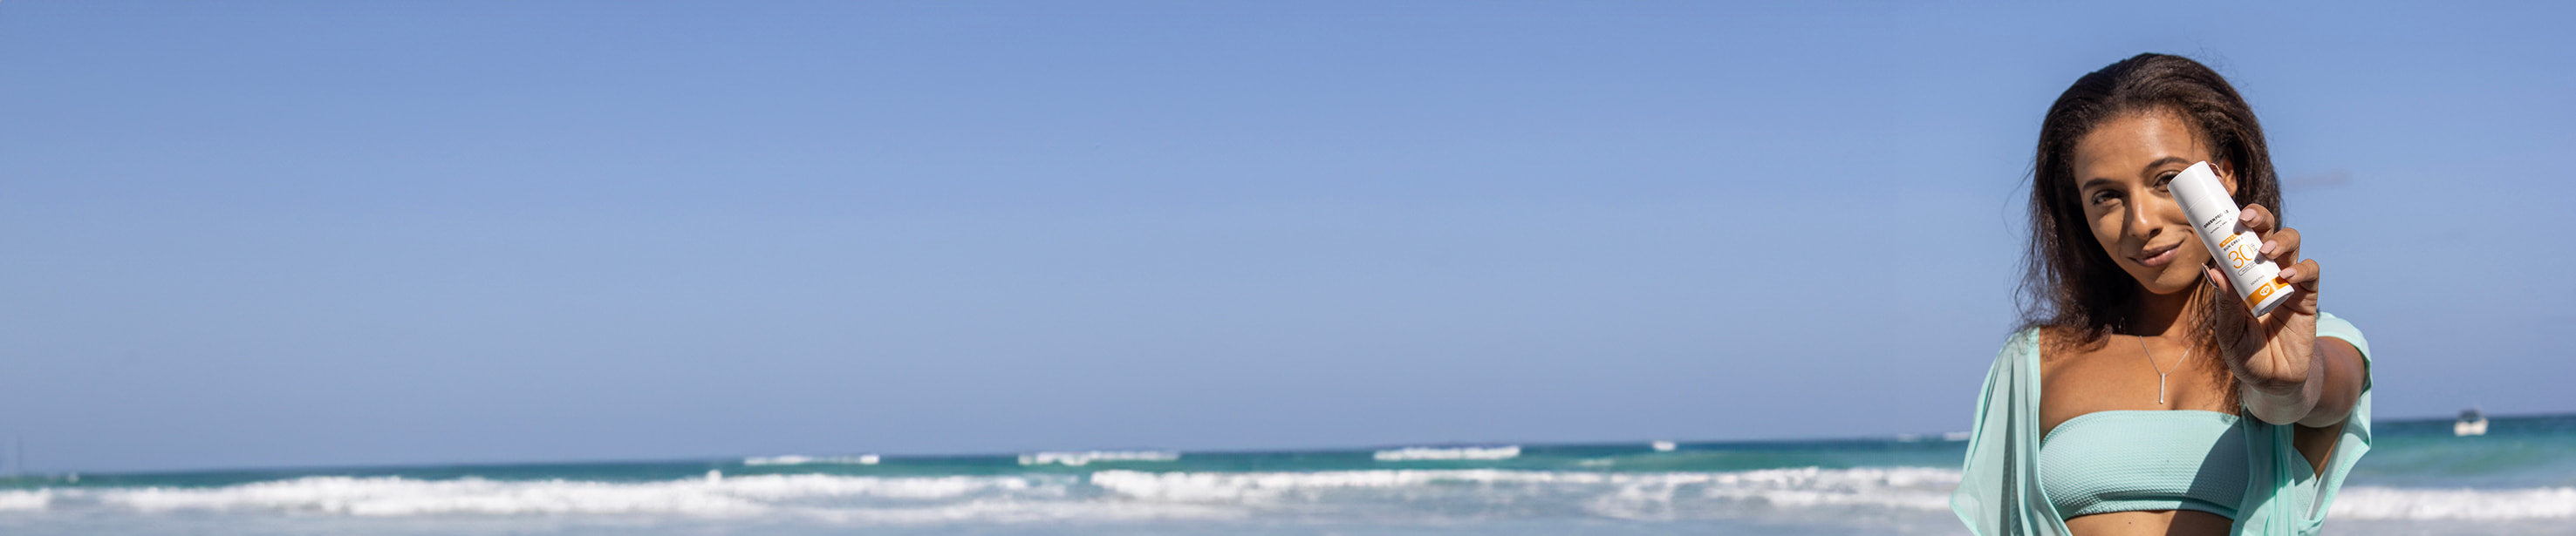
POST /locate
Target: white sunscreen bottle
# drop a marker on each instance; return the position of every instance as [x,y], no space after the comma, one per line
[2238,251]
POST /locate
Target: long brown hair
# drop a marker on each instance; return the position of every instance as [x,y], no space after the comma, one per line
[2070,286]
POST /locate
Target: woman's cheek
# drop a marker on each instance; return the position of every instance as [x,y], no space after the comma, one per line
[2191,258]
[2187,268]
[2106,233]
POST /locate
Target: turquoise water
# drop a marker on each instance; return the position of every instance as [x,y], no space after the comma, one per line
[2520,478]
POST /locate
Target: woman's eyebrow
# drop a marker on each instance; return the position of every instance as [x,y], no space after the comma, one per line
[2151,166]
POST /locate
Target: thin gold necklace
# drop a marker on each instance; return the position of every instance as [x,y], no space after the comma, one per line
[2160,370]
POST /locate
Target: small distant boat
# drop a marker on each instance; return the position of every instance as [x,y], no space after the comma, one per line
[2471,423]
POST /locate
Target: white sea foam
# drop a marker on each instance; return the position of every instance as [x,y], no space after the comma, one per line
[1078,459]
[1025,511]
[386,496]
[1514,492]
[2372,502]
[1103,495]
[1124,495]
[21,500]
[710,497]
[792,459]
[1448,453]
[1814,484]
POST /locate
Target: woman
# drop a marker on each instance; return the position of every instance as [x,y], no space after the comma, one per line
[2142,397]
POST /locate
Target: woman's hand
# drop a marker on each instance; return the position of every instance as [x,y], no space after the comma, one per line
[2275,358]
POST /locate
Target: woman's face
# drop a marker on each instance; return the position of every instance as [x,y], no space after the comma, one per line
[2120,173]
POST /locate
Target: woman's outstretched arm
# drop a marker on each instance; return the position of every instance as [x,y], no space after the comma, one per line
[2288,374]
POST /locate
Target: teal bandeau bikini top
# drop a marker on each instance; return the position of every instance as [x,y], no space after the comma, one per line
[2122,461]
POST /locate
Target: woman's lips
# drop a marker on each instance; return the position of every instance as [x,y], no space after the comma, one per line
[2161,258]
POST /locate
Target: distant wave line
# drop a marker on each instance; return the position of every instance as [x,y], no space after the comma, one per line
[1448,453]
[792,459]
[1082,458]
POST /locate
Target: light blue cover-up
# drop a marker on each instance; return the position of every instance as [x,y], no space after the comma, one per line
[1999,488]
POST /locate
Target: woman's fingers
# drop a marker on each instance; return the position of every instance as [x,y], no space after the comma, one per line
[2255,217]
[2302,275]
[2302,278]
[2282,246]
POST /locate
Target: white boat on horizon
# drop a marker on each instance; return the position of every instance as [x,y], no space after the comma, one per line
[2471,423]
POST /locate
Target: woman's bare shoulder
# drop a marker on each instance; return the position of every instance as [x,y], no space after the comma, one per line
[2058,343]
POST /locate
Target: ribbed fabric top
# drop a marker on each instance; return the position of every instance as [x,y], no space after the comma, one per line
[2123,461]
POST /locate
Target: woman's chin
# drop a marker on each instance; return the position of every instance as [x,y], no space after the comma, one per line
[2173,284]
[2169,281]
[2161,290]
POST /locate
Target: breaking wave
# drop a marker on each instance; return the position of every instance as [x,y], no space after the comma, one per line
[1101,495]
[1116,495]
[25,499]
[2372,502]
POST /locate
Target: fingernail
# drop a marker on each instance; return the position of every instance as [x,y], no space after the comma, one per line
[2268,245]
[2286,274]
[2246,216]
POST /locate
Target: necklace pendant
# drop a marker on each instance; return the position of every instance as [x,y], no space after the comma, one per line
[2160,369]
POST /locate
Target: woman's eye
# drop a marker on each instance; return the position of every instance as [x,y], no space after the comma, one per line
[2103,196]
[2165,179]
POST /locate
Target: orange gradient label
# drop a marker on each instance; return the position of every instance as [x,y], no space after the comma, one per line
[2260,292]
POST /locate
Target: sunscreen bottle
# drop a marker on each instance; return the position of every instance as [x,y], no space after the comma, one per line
[2236,249]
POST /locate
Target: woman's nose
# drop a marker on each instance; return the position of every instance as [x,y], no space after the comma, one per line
[2142,215]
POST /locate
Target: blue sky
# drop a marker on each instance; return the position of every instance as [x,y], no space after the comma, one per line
[361,233]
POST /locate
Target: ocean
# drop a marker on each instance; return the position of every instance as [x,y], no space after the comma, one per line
[2520,478]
